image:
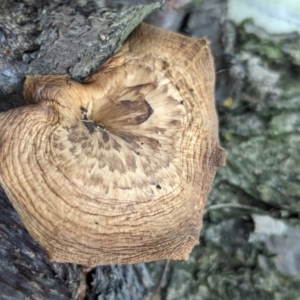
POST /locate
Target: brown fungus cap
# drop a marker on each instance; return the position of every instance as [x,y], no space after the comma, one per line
[117,169]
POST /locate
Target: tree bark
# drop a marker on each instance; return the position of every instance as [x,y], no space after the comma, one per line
[61,36]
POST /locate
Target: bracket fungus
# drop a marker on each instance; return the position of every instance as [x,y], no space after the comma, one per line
[117,169]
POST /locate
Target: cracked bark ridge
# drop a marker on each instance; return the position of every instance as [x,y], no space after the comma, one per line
[25,270]
[84,40]
[124,282]
[61,36]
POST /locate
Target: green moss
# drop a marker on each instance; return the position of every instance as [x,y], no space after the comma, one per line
[277,49]
[261,133]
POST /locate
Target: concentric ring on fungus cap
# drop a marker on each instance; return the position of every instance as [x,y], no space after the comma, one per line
[117,169]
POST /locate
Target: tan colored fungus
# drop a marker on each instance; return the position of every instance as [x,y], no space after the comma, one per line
[117,169]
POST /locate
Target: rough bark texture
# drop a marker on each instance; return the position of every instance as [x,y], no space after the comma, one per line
[61,37]
[25,270]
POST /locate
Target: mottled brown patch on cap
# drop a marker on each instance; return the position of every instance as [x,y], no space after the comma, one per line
[130,162]
[59,146]
[105,136]
[165,65]
[137,112]
[89,126]
[116,164]
[116,145]
[77,136]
